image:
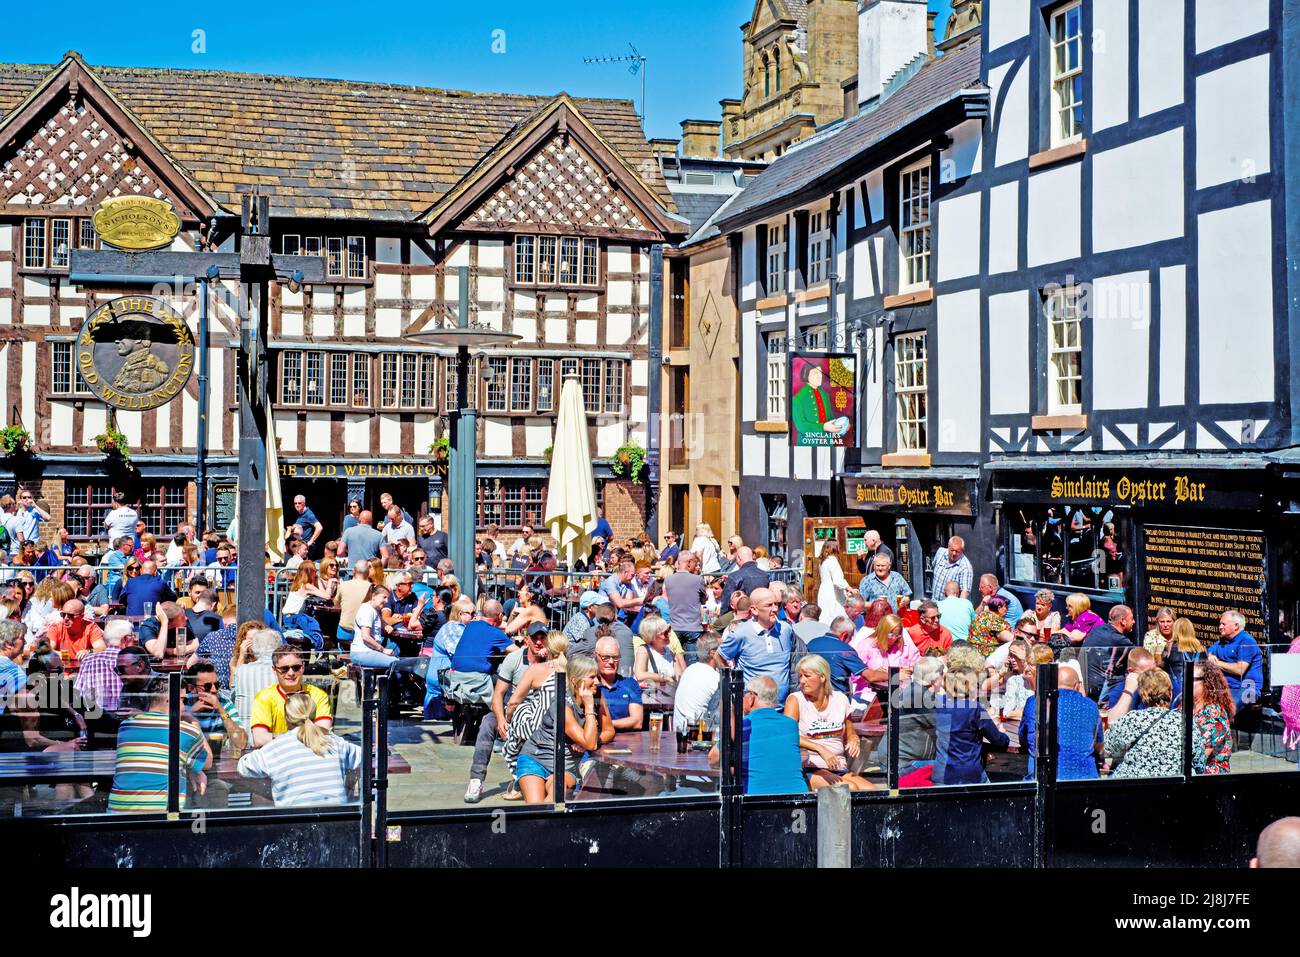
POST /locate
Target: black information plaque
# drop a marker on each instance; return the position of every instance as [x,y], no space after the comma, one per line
[1200,573]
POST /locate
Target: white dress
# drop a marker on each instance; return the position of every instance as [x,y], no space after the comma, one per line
[833,590]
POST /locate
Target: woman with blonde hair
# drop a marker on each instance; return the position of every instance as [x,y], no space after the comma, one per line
[43,611]
[1183,646]
[706,546]
[829,744]
[307,764]
[1082,619]
[587,725]
[887,647]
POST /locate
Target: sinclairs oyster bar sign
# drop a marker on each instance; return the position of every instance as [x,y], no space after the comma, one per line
[1153,488]
[946,496]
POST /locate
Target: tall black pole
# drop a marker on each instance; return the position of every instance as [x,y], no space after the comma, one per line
[201,451]
[463,470]
[255,272]
[654,382]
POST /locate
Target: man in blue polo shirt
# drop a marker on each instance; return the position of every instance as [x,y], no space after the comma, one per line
[834,646]
[481,649]
[623,595]
[1237,654]
[310,526]
[602,527]
[771,761]
[622,694]
[762,645]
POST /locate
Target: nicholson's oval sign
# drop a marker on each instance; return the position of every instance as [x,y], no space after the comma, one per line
[135,352]
[136,222]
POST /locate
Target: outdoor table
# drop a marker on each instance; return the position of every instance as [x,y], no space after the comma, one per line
[631,750]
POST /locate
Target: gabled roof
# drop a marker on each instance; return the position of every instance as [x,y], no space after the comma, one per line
[330,148]
[821,162]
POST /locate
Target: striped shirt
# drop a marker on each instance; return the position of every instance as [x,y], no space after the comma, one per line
[945,571]
[97,677]
[298,775]
[140,773]
[251,678]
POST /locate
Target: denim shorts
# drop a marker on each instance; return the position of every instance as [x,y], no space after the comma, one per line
[526,765]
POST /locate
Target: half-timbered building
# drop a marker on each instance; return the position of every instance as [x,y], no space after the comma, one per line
[552,203]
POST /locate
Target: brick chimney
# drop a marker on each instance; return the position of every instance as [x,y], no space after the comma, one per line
[891,34]
[664,146]
[700,138]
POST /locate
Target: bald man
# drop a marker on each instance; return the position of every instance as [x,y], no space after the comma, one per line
[746,577]
[1078,729]
[1279,844]
[1124,698]
[762,646]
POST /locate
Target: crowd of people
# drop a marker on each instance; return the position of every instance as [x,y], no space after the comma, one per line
[636,632]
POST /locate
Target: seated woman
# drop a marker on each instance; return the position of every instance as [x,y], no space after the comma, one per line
[1212,713]
[1046,618]
[307,765]
[961,724]
[657,665]
[525,613]
[1183,647]
[827,740]
[1080,621]
[367,649]
[916,722]
[587,725]
[295,614]
[1148,743]
[991,628]
[889,647]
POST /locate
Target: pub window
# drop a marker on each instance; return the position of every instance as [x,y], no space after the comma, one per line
[410,372]
[819,248]
[614,386]
[1073,546]
[816,338]
[911,389]
[568,367]
[590,262]
[452,379]
[88,238]
[356,257]
[545,385]
[1067,74]
[591,385]
[311,246]
[1064,351]
[776,236]
[496,384]
[914,225]
[315,378]
[361,381]
[775,346]
[338,378]
[525,255]
[60,242]
[66,377]
[291,245]
[521,385]
[778,518]
[163,506]
[291,378]
[569,261]
[388,372]
[510,503]
[428,381]
[546,259]
[34,243]
[334,259]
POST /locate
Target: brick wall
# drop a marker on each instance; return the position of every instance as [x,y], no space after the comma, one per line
[625,508]
[49,496]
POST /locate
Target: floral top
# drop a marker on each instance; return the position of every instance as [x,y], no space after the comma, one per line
[1214,732]
[1154,642]
[984,633]
[1149,744]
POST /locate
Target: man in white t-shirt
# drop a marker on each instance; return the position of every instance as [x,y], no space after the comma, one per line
[398,529]
[121,518]
[176,549]
[697,692]
[522,546]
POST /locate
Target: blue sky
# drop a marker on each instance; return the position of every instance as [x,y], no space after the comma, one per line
[693,46]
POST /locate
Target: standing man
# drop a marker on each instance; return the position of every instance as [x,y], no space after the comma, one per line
[746,576]
[121,519]
[763,645]
[603,531]
[685,593]
[622,593]
[951,564]
[386,506]
[433,542]
[30,516]
[671,548]
[363,542]
[397,530]
[1237,654]
[354,510]
[307,522]
[875,546]
[522,547]
[351,595]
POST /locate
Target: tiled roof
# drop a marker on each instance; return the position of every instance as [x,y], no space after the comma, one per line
[332,148]
[698,207]
[935,83]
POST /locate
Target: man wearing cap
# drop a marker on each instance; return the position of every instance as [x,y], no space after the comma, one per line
[584,619]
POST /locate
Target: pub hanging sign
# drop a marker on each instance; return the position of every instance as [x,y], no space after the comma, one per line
[823,394]
[135,352]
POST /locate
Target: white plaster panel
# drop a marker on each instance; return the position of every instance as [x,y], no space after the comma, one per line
[557,331]
[1121,340]
[822,468]
[419,257]
[1160,59]
[189,410]
[1012,129]
[876,194]
[748,284]
[537,437]
[873,414]
[354,326]
[6,274]
[390,435]
[6,239]
[459,256]
[425,431]
[491,289]
[748,369]
[555,303]
[36,315]
[778,464]
[1173,335]
[587,302]
[1009,365]
[356,434]
[959,236]
[217,399]
[388,250]
[1004,227]
[318,432]
[753,455]
[61,423]
[388,285]
[491,253]
[1054,204]
[96,418]
[492,318]
[962,158]
[423,286]
[586,331]
[639,370]
[1109,106]
[322,326]
[618,329]
[1232,122]
[526,326]
[1235,308]
[524,303]
[451,287]
[803,462]
[131,424]
[72,313]
[1137,193]
[863,285]
[619,258]
[957,377]
[609,436]
[322,299]
[620,293]
[286,431]
[1205,439]
[1006,21]
[6,311]
[1222,21]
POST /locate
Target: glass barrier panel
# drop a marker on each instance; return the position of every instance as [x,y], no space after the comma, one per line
[1249,722]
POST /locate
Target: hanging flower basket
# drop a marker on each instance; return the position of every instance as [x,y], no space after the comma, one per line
[15,441]
[440,451]
[629,462]
[114,446]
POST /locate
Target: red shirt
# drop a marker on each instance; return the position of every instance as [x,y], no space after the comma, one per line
[921,638]
[61,640]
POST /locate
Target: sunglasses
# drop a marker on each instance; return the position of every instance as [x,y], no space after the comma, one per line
[65,615]
[288,669]
[209,686]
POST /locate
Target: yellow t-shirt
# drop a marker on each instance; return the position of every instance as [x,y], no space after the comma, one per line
[268,708]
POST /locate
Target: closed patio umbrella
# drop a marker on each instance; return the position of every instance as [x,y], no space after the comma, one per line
[571,495]
[274,504]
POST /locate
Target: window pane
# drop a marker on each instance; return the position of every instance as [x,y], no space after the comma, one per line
[334,261]
[452,377]
[591,384]
[361,380]
[497,384]
[311,246]
[356,257]
[315,378]
[61,355]
[87,234]
[546,259]
[614,386]
[388,381]
[568,367]
[410,369]
[590,262]
[568,260]
[291,245]
[521,385]
[338,378]
[34,243]
[428,382]
[60,241]
[545,385]
[524,256]
[291,378]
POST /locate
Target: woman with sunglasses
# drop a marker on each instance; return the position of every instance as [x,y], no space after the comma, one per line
[353,515]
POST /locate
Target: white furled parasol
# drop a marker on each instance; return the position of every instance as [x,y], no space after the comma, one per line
[571,496]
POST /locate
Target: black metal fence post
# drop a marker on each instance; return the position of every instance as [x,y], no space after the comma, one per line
[894,719]
[557,759]
[174,743]
[1188,702]
[366,692]
[732,760]
[1045,752]
[383,682]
